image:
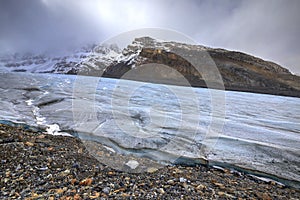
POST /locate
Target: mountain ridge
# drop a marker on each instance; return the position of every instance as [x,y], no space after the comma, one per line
[239,71]
[144,58]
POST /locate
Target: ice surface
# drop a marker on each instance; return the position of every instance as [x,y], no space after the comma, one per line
[260,132]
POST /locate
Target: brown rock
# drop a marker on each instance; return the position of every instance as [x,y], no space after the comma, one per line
[30,144]
[80,150]
[95,196]
[151,170]
[111,173]
[73,181]
[125,195]
[119,190]
[77,197]
[50,148]
[86,182]
[59,191]
[221,193]
[220,185]
[200,187]
[41,136]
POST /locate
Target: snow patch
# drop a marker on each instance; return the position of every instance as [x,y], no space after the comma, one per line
[29,102]
[109,149]
[53,129]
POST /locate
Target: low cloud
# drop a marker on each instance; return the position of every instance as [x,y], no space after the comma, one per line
[264,28]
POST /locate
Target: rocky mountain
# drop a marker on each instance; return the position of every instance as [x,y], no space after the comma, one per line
[44,63]
[150,60]
[239,71]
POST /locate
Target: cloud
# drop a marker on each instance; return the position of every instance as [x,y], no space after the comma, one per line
[55,24]
[41,25]
[267,29]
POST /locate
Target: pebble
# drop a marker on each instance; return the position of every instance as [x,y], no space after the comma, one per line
[42,168]
[111,173]
[106,190]
[201,187]
[30,144]
[220,185]
[95,195]
[182,180]
[221,193]
[161,191]
[185,185]
[133,164]
[65,173]
[86,182]
[64,179]
[75,165]
[151,169]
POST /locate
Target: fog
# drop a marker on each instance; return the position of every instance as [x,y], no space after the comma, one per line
[267,29]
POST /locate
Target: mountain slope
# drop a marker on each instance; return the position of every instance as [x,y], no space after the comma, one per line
[150,60]
[88,57]
[239,71]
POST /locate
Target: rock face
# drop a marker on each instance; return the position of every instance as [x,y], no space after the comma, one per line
[239,71]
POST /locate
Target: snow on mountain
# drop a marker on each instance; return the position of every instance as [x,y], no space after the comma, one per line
[70,63]
[238,70]
[85,59]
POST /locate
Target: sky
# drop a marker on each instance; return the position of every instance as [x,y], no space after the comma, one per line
[268,29]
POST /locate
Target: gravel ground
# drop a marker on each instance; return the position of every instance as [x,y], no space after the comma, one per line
[39,166]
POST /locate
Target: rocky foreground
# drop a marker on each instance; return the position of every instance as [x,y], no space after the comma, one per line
[39,166]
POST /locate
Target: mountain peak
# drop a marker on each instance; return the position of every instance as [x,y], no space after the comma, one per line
[239,71]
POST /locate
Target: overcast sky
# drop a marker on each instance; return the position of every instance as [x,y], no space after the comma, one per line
[267,29]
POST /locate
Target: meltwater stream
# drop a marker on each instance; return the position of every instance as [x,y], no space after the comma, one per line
[257,133]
